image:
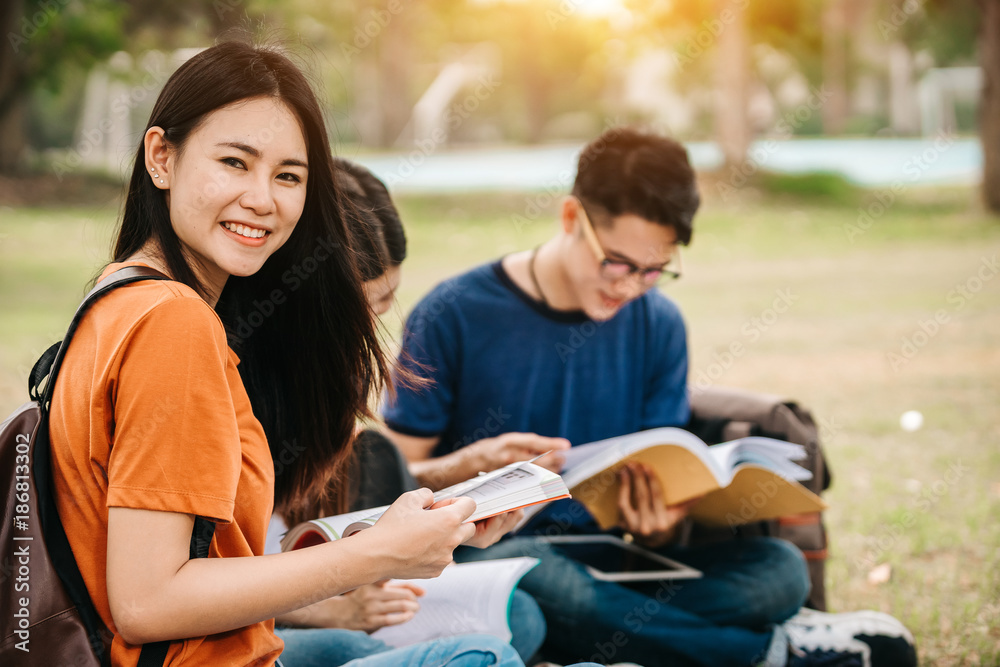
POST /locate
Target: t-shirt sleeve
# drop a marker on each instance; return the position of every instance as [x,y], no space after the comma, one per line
[176,444]
[429,350]
[666,394]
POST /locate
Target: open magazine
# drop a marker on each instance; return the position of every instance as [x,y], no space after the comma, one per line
[467,598]
[745,480]
[512,487]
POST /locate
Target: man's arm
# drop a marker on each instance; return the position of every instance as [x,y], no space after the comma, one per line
[481,456]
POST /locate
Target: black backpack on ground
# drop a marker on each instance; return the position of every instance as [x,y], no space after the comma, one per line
[46,614]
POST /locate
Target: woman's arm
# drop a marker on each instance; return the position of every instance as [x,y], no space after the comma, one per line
[156,592]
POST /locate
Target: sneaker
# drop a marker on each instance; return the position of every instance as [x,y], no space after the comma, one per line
[821,658]
[874,638]
[826,659]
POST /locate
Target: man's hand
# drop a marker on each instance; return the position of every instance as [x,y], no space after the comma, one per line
[643,511]
[488,531]
[486,455]
[491,453]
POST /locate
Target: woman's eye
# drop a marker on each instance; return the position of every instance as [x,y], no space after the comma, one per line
[233,162]
[291,178]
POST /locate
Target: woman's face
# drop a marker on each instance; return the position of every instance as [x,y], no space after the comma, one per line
[238,187]
[381,291]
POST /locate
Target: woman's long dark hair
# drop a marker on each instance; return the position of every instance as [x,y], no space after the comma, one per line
[308,343]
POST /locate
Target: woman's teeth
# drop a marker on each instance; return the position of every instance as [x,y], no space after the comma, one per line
[243,230]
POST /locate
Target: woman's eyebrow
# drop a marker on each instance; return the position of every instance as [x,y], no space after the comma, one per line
[250,150]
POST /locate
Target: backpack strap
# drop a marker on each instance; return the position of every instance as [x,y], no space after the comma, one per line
[46,369]
[49,363]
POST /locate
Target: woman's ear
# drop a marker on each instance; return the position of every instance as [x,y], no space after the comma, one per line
[157,153]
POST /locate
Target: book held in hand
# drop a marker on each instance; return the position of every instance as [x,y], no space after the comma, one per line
[739,482]
[466,598]
[512,487]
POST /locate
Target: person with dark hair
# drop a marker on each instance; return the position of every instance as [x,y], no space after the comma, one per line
[232,197]
[572,342]
[380,237]
[334,631]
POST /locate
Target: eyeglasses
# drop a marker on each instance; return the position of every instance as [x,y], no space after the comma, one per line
[614,270]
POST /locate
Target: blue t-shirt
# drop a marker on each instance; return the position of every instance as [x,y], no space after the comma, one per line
[501,362]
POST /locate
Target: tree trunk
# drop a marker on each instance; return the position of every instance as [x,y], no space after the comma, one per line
[367,107]
[537,85]
[12,142]
[12,139]
[732,124]
[395,47]
[989,105]
[835,67]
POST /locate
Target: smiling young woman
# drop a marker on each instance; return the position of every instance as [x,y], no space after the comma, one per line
[236,191]
[152,425]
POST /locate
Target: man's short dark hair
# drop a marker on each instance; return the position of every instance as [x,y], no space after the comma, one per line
[628,171]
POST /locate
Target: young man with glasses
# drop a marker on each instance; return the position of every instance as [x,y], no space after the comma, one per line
[571,343]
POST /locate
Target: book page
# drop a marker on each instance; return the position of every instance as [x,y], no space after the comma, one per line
[513,486]
[584,461]
[466,598]
[517,485]
[756,494]
[688,469]
[774,455]
[685,468]
[329,528]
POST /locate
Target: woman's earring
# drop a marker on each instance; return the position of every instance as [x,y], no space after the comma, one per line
[155,175]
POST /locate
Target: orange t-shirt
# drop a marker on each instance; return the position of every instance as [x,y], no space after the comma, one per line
[149,412]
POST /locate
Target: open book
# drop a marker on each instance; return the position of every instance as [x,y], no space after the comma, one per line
[509,488]
[467,598]
[746,480]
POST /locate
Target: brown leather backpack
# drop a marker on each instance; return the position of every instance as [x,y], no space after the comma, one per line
[46,614]
[721,414]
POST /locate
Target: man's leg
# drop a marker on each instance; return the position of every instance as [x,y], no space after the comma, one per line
[590,619]
[753,583]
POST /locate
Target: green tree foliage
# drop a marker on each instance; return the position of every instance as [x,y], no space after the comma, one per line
[48,37]
[45,41]
[49,44]
[945,28]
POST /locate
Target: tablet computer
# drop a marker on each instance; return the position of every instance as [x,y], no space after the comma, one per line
[626,561]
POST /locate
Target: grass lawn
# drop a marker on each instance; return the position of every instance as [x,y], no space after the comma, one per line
[860,322]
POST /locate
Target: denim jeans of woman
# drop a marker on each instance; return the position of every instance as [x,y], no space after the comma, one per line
[328,647]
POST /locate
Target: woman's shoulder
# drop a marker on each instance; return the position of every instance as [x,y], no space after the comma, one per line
[157,302]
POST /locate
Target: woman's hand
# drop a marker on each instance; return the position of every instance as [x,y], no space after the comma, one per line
[643,511]
[416,539]
[377,605]
[488,531]
[366,608]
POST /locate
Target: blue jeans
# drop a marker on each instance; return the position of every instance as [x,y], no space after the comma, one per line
[719,620]
[328,647]
[463,651]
